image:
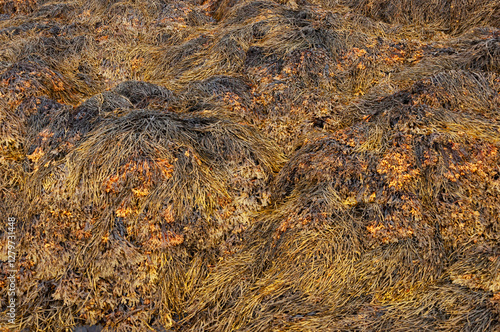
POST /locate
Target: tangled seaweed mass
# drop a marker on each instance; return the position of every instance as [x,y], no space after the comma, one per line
[242,165]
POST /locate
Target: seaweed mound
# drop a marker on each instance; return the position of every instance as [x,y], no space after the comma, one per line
[452,16]
[132,211]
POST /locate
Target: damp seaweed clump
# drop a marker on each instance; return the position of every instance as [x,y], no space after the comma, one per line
[130,213]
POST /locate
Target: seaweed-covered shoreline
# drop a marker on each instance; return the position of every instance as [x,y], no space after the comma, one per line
[230,165]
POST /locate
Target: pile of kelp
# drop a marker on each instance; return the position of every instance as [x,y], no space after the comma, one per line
[237,165]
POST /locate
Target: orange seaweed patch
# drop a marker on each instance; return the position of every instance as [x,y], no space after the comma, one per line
[140,192]
[123,212]
[36,155]
[399,168]
[166,167]
[168,215]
